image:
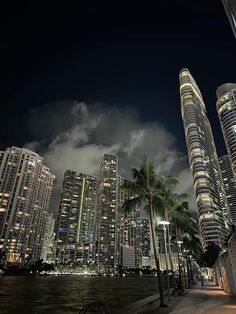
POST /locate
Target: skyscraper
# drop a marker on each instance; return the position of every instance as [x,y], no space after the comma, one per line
[229,185]
[213,211]
[48,242]
[230,9]
[106,232]
[25,193]
[226,107]
[145,242]
[76,219]
[128,229]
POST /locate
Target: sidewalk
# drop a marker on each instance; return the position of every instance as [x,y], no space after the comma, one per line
[200,300]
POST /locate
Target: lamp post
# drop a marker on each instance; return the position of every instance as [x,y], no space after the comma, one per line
[178,253]
[188,267]
[165,223]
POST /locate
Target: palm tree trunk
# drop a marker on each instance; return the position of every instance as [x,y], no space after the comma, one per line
[177,245]
[162,301]
[169,249]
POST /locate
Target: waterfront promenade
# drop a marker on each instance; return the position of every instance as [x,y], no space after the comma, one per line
[208,299]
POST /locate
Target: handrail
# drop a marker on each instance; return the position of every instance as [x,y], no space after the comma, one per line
[94,306]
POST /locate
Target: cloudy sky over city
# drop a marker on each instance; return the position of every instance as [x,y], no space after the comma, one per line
[81,81]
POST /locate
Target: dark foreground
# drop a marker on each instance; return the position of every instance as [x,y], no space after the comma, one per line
[67,294]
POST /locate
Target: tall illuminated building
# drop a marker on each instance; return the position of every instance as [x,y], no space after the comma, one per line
[25,194]
[128,231]
[213,211]
[106,226]
[130,235]
[226,107]
[230,9]
[76,218]
[145,242]
[48,243]
[229,185]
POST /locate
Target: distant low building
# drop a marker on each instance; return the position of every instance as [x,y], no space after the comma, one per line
[127,257]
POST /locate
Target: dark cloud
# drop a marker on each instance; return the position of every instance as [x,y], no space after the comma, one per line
[75,136]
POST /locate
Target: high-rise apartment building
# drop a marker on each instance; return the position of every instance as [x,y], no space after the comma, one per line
[145,242]
[230,9]
[48,241]
[213,211]
[128,229]
[121,197]
[229,185]
[25,193]
[106,232]
[131,234]
[76,219]
[226,107]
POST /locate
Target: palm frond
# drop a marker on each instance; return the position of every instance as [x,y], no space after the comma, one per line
[132,203]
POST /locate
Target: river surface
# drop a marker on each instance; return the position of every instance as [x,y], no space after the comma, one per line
[68,294]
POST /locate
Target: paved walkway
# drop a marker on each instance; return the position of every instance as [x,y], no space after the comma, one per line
[200,300]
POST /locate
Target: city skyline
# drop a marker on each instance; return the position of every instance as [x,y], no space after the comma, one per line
[118,156]
[127,73]
[92,227]
[90,77]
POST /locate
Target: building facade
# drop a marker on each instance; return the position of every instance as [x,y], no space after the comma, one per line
[145,242]
[25,193]
[229,185]
[230,9]
[131,234]
[107,216]
[226,107]
[76,218]
[48,242]
[213,211]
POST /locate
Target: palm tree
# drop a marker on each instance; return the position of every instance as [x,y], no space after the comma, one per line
[183,227]
[146,189]
[170,202]
[186,230]
[191,239]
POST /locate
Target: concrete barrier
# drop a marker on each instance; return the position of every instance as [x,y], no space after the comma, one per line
[225,269]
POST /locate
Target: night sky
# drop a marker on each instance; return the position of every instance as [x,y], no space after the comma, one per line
[123,56]
[114,54]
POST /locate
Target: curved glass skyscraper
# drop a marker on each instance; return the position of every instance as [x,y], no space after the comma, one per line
[230,9]
[226,107]
[229,185]
[210,196]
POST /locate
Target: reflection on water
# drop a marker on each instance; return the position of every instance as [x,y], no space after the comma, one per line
[67,294]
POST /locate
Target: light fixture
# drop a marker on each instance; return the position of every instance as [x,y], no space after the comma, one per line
[163,222]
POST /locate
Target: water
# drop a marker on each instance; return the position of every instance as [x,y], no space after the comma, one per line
[67,294]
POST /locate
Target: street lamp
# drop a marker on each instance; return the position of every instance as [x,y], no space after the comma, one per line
[179,250]
[165,223]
